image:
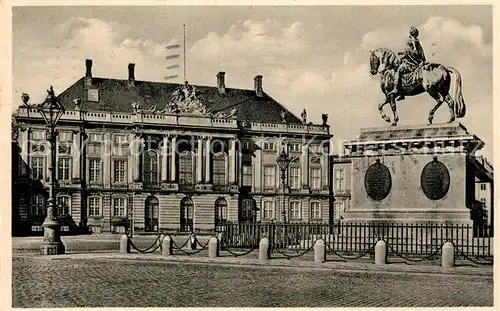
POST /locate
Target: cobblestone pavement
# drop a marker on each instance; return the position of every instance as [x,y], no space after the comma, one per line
[99,282]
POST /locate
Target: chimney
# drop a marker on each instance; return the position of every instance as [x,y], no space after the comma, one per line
[220,83]
[131,75]
[88,73]
[258,85]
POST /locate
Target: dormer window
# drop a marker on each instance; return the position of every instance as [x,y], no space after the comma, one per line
[93,95]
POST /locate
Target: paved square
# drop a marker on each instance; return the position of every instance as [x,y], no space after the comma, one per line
[38,282]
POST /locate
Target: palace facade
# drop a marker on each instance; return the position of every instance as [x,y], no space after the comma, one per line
[162,156]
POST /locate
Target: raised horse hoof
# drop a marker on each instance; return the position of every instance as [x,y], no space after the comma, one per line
[430,121]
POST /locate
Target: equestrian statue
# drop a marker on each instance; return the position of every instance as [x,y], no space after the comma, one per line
[410,74]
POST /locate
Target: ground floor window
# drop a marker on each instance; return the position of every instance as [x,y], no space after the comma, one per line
[151,215]
[315,210]
[247,210]
[268,210]
[295,210]
[220,211]
[186,220]
[38,205]
[120,207]
[64,205]
[94,206]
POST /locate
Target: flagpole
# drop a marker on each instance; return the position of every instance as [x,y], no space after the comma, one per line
[184,26]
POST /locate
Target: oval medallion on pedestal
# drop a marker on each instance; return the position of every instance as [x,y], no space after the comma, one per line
[435,180]
[378,182]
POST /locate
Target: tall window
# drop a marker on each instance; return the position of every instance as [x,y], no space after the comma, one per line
[220,211]
[247,175]
[295,177]
[186,214]
[315,178]
[94,206]
[269,176]
[64,169]
[483,187]
[219,169]
[119,207]
[295,210]
[37,167]
[64,205]
[120,171]
[95,170]
[37,205]
[268,210]
[339,209]
[315,210]
[186,168]
[151,164]
[339,179]
[151,214]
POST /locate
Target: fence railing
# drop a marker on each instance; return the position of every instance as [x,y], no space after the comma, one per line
[407,239]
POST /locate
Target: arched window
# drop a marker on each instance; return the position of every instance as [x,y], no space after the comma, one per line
[151,167]
[186,168]
[187,210]
[220,211]
[151,212]
[219,169]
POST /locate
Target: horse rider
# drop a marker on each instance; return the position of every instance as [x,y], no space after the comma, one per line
[412,57]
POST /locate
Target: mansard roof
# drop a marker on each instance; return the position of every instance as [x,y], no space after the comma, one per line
[118,95]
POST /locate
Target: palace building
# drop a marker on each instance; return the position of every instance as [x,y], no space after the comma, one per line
[163,156]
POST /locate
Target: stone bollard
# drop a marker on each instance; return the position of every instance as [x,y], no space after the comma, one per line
[380,253]
[192,241]
[167,246]
[124,244]
[213,247]
[319,251]
[264,250]
[448,255]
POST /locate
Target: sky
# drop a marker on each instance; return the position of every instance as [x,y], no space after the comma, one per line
[311,57]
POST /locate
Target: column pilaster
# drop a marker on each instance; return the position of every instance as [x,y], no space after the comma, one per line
[208,173]
[305,166]
[173,153]
[199,161]
[164,160]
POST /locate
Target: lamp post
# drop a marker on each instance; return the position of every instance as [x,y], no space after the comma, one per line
[51,111]
[283,162]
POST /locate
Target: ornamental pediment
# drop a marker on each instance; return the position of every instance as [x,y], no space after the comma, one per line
[185,100]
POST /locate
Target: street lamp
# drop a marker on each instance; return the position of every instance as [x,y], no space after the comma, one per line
[51,111]
[283,162]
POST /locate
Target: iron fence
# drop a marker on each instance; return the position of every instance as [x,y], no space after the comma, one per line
[401,239]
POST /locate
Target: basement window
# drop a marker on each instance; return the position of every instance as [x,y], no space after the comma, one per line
[93,95]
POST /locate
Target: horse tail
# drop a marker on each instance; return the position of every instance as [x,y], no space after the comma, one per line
[459,99]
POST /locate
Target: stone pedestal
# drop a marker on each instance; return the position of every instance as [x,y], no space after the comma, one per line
[412,174]
[52,244]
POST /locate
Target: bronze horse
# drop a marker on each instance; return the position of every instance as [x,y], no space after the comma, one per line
[434,79]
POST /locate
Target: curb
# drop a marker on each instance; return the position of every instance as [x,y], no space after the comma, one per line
[349,267]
